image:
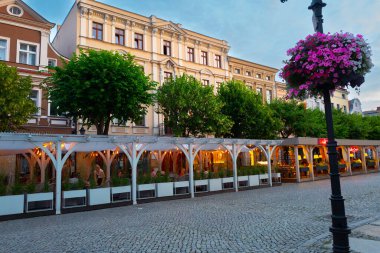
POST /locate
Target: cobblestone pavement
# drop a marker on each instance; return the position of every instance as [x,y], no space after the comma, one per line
[290,218]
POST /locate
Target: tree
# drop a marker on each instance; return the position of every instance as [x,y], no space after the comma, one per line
[374,127]
[15,105]
[99,86]
[191,109]
[251,118]
[297,120]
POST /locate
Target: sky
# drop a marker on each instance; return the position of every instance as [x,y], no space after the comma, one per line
[256,30]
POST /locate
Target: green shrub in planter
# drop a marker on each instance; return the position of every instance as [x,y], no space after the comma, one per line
[17,189]
[221,173]
[162,178]
[30,187]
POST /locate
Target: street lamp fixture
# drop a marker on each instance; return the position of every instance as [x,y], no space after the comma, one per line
[339,228]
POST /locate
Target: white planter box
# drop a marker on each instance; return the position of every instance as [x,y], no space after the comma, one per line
[215,184]
[146,187]
[228,180]
[201,182]
[74,194]
[13,204]
[242,178]
[39,196]
[181,184]
[263,176]
[254,180]
[36,197]
[276,175]
[165,189]
[121,189]
[100,196]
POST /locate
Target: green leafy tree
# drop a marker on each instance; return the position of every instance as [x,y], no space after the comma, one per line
[374,127]
[297,120]
[99,86]
[191,109]
[15,105]
[358,127]
[251,118]
[341,124]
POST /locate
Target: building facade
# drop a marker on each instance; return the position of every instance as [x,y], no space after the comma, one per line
[372,112]
[24,44]
[355,106]
[339,100]
[164,49]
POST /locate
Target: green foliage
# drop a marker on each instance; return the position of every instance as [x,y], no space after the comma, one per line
[99,86]
[298,121]
[374,127]
[17,189]
[3,185]
[120,181]
[251,118]
[30,187]
[221,173]
[15,106]
[191,109]
[145,179]
[162,178]
[67,186]
[252,170]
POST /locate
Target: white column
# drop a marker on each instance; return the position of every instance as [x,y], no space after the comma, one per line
[154,45]
[89,30]
[191,170]
[234,166]
[311,163]
[197,52]
[180,50]
[377,151]
[364,164]
[145,39]
[44,48]
[113,30]
[347,149]
[269,154]
[58,168]
[297,164]
[134,174]
[105,28]
[83,25]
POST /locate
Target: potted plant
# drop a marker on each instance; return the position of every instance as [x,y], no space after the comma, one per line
[12,203]
[321,167]
[215,181]
[325,62]
[120,188]
[74,194]
[371,163]
[165,186]
[227,180]
[243,177]
[253,176]
[200,181]
[146,187]
[37,201]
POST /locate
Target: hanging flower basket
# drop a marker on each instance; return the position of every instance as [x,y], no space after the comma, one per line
[326,61]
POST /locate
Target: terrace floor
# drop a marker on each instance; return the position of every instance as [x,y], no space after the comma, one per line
[290,218]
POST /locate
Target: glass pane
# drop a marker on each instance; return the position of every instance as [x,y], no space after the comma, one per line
[23,46]
[32,48]
[2,54]
[32,59]
[34,94]
[3,43]
[23,57]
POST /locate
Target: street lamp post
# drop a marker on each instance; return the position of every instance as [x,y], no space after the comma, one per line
[339,228]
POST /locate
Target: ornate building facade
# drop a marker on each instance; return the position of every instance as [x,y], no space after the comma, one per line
[163,48]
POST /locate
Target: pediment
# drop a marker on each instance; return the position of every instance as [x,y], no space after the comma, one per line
[206,71]
[170,26]
[27,12]
[169,63]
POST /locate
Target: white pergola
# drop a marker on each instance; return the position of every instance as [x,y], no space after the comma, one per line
[133,147]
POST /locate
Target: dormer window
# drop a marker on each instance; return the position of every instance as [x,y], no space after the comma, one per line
[15,10]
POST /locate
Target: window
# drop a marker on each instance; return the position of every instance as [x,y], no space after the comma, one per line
[204,57]
[318,105]
[267,78]
[218,61]
[34,96]
[218,84]
[269,96]
[344,96]
[27,54]
[259,90]
[190,54]
[248,73]
[52,62]
[15,10]
[119,36]
[53,109]
[139,42]
[97,31]
[237,71]
[167,76]
[258,76]
[205,82]
[3,50]
[140,122]
[167,48]
[345,109]
[338,106]
[332,105]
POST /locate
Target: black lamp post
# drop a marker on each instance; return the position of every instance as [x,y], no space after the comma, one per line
[82,130]
[339,228]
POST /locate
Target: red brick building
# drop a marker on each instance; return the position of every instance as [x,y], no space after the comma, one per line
[24,43]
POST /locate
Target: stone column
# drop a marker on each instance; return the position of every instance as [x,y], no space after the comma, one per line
[297,163]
